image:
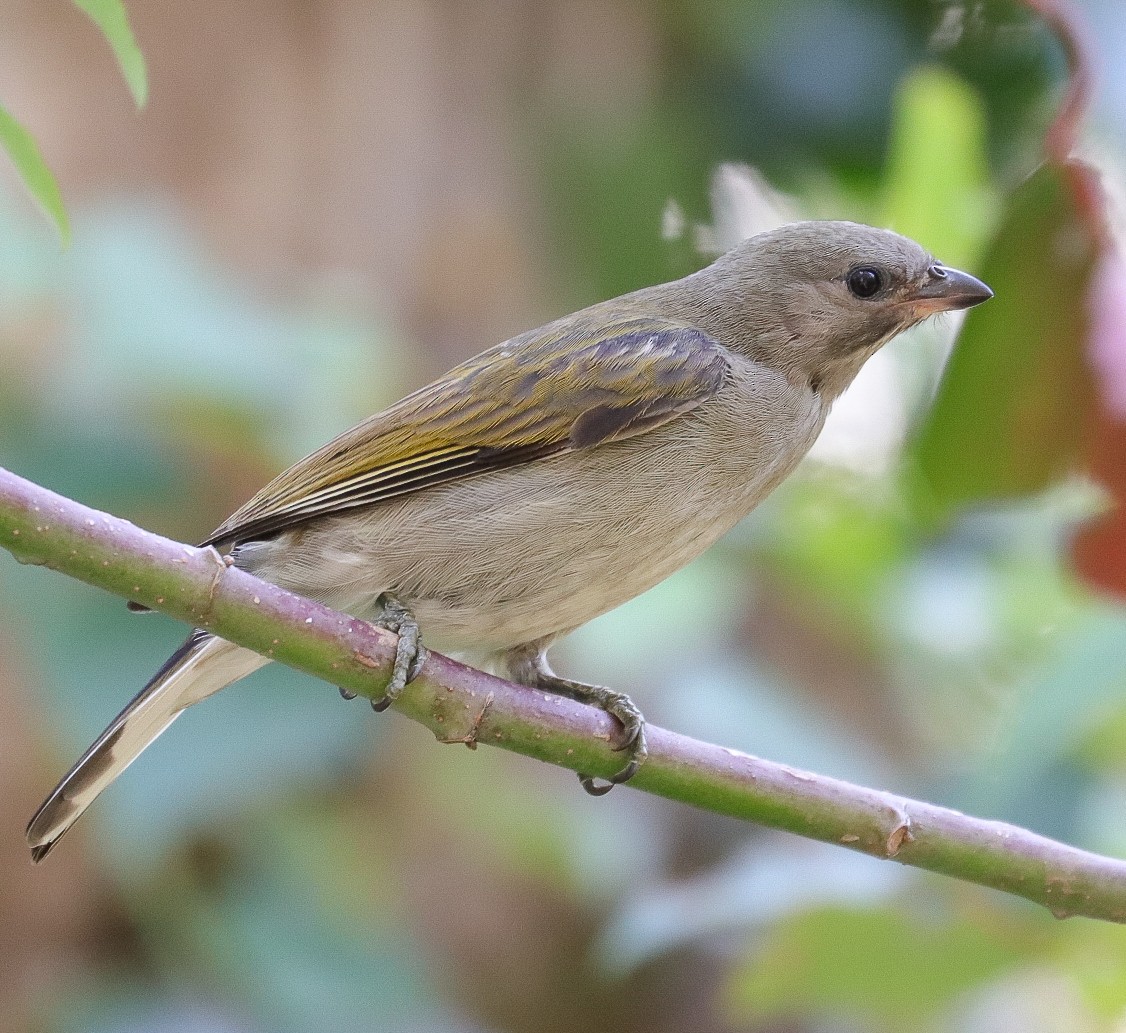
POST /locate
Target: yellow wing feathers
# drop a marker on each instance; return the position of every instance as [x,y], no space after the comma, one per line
[568,385]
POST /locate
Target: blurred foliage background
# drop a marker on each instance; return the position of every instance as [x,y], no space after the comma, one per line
[324,204]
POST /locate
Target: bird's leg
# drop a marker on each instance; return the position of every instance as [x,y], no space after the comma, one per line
[528,666]
[410,654]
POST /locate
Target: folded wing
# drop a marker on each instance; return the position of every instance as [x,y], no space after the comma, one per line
[567,386]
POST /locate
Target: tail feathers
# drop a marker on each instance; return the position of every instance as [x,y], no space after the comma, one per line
[200,667]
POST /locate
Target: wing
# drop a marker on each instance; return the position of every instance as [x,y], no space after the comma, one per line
[566,386]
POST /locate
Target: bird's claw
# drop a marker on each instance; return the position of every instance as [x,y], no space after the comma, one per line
[410,654]
[633,739]
[625,710]
[618,705]
[618,778]
[528,665]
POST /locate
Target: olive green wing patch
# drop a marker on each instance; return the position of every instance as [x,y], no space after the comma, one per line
[564,387]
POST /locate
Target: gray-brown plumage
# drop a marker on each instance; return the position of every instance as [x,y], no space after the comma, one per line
[553,477]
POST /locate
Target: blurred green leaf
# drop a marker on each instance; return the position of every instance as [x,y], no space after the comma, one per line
[287,912]
[1012,410]
[609,189]
[758,887]
[1091,954]
[937,174]
[836,537]
[24,152]
[111,18]
[882,963]
[1053,730]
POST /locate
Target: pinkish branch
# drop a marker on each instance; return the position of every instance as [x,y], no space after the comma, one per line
[460,704]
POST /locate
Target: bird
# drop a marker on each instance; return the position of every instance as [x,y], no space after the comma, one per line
[556,475]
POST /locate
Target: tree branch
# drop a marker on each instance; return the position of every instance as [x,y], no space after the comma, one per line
[460,704]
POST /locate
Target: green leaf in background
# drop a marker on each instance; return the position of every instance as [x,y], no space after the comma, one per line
[1061,724]
[878,964]
[1012,409]
[24,152]
[937,176]
[110,17]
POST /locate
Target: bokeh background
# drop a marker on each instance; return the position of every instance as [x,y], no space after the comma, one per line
[327,202]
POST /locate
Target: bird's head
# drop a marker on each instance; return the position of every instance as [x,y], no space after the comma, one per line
[817,299]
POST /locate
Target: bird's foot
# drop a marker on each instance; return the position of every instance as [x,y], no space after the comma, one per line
[632,740]
[529,667]
[410,654]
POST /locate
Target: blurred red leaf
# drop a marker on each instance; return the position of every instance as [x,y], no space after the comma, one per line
[1099,549]
[1108,330]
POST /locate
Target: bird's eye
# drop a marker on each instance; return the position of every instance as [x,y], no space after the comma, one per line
[865,281]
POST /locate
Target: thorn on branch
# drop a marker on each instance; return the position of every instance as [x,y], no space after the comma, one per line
[470,738]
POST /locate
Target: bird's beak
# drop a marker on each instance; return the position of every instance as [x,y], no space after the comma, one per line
[944,289]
